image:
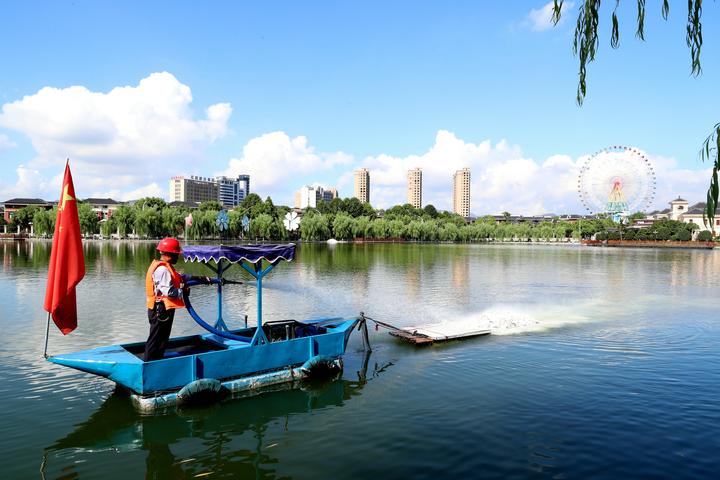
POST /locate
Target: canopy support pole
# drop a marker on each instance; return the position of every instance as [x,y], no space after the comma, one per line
[47,334]
[220,323]
[259,333]
[258,273]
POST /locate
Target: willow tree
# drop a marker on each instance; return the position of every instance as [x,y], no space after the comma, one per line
[585,47]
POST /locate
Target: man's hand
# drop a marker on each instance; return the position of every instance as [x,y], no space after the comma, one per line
[203,280]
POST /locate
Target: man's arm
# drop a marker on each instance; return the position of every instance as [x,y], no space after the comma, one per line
[163,283]
[200,279]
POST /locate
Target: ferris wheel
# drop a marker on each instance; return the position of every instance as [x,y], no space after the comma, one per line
[617,181]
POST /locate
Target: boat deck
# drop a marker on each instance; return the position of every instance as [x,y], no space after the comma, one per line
[278,330]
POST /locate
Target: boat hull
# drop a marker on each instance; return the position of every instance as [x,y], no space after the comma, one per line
[239,386]
[209,356]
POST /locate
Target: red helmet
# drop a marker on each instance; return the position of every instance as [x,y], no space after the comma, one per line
[169,245]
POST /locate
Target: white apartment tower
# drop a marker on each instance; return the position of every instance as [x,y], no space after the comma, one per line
[414,187]
[461,192]
[362,185]
[310,196]
[306,197]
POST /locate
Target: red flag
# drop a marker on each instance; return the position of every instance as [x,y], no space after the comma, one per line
[67,264]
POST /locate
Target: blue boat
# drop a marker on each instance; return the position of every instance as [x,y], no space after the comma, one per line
[223,360]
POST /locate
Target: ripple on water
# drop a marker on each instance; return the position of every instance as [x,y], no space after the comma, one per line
[591,372]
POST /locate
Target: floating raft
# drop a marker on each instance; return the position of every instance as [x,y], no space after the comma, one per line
[439,332]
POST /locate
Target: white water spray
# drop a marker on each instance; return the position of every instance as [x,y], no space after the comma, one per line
[510,320]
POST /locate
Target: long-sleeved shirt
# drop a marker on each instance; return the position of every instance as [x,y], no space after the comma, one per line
[162,279]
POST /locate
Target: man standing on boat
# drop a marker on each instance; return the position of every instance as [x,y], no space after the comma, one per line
[164,288]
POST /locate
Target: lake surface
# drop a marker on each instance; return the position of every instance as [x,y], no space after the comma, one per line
[603,363]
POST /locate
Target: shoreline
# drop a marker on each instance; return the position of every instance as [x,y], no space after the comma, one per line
[650,244]
[568,242]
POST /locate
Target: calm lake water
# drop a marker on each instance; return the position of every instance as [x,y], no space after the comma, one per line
[604,363]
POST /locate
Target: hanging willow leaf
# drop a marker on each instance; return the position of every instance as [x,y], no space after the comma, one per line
[557,11]
[710,149]
[585,43]
[640,33]
[615,36]
[694,34]
[712,200]
[586,39]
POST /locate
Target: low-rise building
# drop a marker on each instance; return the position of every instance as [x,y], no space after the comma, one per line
[658,214]
[179,204]
[14,204]
[536,219]
[681,211]
[104,207]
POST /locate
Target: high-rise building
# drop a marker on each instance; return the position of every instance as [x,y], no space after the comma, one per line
[461,192]
[306,197]
[310,196]
[233,191]
[414,187]
[228,191]
[328,194]
[193,190]
[243,187]
[362,185]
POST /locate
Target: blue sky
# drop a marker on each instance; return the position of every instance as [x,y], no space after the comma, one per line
[304,92]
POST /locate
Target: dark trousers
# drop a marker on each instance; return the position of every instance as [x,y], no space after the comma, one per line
[161,321]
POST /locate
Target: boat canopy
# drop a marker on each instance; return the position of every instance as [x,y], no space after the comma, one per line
[247,257]
[237,253]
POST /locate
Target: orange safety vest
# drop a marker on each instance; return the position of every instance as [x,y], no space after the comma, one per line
[152,298]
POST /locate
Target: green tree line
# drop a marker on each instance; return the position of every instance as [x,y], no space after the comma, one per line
[661,230]
[341,219]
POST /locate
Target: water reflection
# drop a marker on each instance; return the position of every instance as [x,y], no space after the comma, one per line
[461,275]
[118,428]
[616,370]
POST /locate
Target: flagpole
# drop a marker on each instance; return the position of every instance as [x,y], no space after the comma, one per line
[47,334]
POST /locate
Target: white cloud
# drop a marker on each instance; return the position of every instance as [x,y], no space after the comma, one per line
[501,178]
[30,184]
[119,143]
[504,179]
[540,19]
[672,181]
[6,143]
[274,158]
[150,190]
[115,139]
